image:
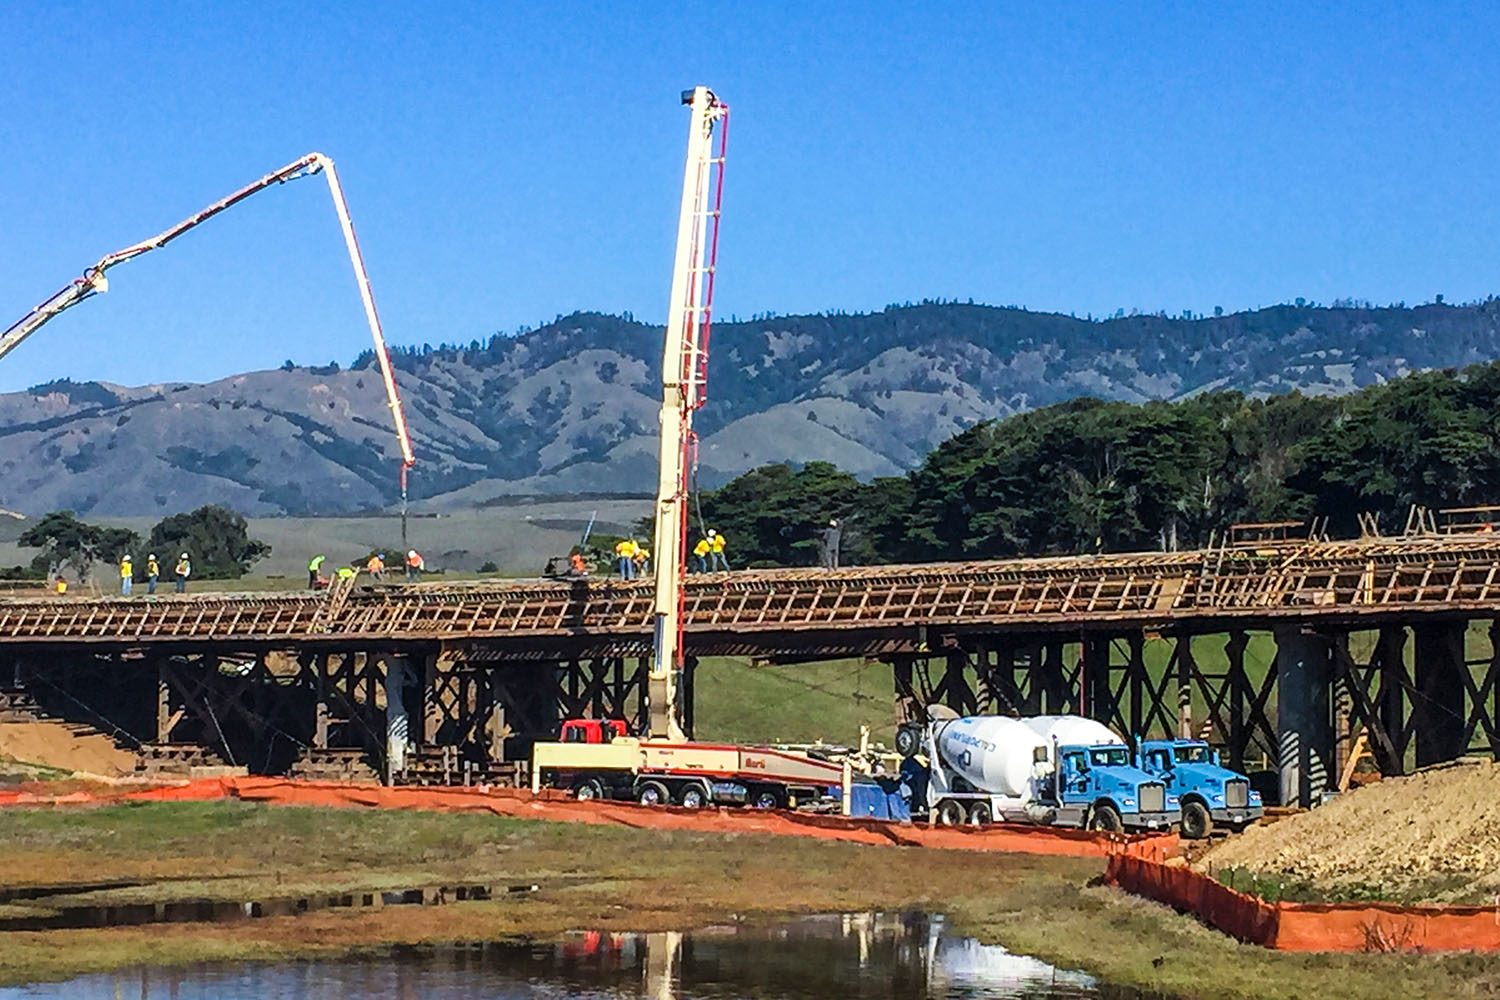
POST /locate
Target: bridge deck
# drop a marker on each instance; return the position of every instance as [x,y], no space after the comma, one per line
[1346,582]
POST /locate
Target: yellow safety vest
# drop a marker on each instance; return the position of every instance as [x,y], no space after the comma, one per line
[701,549]
[718,543]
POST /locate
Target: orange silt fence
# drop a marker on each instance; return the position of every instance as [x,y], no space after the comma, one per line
[1369,927]
[555,807]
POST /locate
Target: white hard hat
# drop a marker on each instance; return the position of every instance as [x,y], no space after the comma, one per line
[183,556]
[711,532]
[411,553]
[151,556]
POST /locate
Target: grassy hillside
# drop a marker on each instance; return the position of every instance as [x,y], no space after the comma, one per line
[799,703]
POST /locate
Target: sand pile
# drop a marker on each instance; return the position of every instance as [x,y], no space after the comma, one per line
[1434,835]
[60,745]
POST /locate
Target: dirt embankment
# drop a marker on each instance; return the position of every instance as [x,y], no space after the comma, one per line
[67,748]
[1433,835]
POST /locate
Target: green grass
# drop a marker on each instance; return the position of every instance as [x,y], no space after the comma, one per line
[620,879]
[739,702]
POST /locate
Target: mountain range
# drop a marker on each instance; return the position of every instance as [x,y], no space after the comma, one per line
[571,408]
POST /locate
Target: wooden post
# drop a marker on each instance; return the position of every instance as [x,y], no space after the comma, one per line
[494,725]
[1184,660]
[164,720]
[320,710]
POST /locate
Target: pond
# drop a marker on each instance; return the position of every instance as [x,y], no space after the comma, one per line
[872,956]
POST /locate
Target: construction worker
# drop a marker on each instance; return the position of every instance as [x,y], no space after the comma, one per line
[828,545]
[62,585]
[375,566]
[414,565]
[182,571]
[153,571]
[700,555]
[346,572]
[313,565]
[625,550]
[576,565]
[716,545]
[642,560]
[127,575]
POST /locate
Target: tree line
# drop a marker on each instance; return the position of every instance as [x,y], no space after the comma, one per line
[215,537]
[1090,476]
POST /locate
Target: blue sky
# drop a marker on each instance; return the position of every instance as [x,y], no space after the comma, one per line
[509,162]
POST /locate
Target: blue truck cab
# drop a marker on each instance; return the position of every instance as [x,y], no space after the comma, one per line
[1209,793]
[1098,786]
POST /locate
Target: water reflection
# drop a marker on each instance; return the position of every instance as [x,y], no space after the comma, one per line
[870,956]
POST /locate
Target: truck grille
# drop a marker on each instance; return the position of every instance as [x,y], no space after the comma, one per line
[1153,798]
[1236,794]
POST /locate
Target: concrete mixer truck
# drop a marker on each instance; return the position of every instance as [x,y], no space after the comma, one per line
[1050,769]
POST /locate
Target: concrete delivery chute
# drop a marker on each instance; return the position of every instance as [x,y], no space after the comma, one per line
[94,281]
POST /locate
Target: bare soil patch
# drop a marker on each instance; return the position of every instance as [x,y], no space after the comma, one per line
[1433,836]
[65,747]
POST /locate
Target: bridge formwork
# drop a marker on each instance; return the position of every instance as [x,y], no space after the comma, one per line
[1281,657]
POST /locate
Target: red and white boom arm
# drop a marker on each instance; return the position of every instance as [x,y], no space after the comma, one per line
[684,385]
[94,281]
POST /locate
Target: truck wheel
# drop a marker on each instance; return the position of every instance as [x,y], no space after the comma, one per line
[951,812]
[653,793]
[980,814]
[693,797]
[589,790]
[1196,821]
[1107,818]
[767,798]
[908,741]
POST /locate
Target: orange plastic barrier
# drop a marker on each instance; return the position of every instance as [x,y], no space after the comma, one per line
[1308,926]
[555,807]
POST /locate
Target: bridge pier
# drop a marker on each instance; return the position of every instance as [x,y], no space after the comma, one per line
[1442,679]
[397,720]
[1304,670]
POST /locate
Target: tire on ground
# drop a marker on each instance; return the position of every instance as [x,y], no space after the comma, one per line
[1196,821]
[951,812]
[1107,818]
[653,793]
[767,798]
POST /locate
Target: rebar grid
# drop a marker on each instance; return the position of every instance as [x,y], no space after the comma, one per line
[1364,580]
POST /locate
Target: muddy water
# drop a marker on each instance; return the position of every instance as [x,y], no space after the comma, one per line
[868,956]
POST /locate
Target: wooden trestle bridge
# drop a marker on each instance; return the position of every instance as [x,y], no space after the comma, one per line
[453,682]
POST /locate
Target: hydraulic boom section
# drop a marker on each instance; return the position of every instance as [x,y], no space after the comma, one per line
[94,281]
[684,384]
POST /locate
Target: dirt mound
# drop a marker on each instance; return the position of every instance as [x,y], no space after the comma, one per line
[60,745]
[1434,835]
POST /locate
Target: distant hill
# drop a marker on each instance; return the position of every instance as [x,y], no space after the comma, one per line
[571,407]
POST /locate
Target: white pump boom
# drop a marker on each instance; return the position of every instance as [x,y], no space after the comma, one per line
[684,374]
[94,281]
